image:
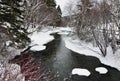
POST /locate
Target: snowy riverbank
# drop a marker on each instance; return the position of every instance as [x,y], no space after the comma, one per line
[81,47]
[73,43]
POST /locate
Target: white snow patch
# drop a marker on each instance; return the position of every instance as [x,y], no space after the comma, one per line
[63,33]
[66,29]
[7,24]
[40,38]
[81,72]
[8,42]
[101,70]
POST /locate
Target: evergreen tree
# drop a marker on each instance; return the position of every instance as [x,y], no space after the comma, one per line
[11,18]
[59,10]
[51,3]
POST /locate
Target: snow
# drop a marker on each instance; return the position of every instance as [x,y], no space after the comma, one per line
[8,69]
[88,49]
[64,3]
[40,38]
[11,70]
[75,44]
[101,70]
[6,24]
[81,72]
[81,47]
[65,31]
[8,42]
[13,52]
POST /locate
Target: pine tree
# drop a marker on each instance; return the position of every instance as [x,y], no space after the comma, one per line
[11,18]
[59,10]
[51,3]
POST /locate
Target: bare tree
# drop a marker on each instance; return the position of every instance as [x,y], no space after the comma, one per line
[70,12]
[83,19]
[115,12]
[38,13]
[95,21]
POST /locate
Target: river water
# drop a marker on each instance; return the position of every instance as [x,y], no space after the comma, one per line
[60,60]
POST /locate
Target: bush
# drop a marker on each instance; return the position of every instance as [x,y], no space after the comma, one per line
[32,71]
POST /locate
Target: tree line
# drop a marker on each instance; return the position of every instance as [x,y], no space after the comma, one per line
[99,22]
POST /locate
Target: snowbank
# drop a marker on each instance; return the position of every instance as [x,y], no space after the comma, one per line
[101,70]
[42,37]
[81,47]
[81,72]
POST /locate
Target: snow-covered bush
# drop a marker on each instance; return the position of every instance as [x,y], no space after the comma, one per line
[32,71]
[10,72]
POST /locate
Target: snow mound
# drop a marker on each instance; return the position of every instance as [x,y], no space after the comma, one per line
[101,70]
[40,38]
[81,72]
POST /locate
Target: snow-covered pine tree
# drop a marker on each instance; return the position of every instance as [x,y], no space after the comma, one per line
[11,18]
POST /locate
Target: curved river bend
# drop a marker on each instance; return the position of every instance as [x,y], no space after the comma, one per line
[61,60]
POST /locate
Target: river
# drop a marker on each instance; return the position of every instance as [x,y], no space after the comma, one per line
[58,59]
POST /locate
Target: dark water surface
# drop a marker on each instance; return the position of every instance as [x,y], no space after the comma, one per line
[61,60]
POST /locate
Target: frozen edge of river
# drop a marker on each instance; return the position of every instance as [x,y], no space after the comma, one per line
[87,49]
[75,45]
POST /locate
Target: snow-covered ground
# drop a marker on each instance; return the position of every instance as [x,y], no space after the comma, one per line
[41,38]
[81,72]
[101,70]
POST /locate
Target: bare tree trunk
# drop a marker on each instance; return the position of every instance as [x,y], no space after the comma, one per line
[100,46]
[113,43]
